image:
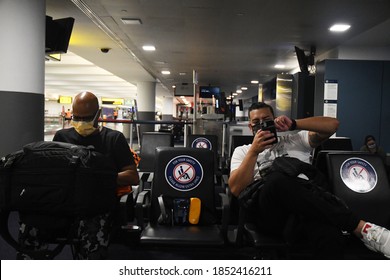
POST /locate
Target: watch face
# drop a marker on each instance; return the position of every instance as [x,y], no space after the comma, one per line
[358,175]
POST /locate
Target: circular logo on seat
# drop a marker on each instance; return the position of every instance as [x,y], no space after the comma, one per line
[184,173]
[202,143]
[358,175]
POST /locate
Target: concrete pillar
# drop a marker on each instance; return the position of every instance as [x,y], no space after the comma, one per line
[146,103]
[22,73]
[167,111]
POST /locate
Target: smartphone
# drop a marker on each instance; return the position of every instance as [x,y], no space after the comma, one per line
[266,125]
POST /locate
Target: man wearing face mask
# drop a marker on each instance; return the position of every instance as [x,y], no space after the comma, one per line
[92,231]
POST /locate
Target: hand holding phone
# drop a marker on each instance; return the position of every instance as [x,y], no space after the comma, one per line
[266,125]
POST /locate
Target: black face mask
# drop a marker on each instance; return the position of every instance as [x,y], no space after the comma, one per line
[255,128]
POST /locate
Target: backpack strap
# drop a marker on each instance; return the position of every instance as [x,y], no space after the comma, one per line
[41,254]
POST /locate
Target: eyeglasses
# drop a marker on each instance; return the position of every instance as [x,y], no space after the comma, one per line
[83,119]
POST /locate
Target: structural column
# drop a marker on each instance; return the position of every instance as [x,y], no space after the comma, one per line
[167,110]
[22,73]
[146,104]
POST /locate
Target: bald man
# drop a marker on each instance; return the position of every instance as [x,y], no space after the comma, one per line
[94,231]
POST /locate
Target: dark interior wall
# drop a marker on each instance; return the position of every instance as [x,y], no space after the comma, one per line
[22,120]
[363,92]
[385,110]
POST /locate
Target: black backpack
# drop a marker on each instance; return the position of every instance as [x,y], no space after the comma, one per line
[51,184]
[55,178]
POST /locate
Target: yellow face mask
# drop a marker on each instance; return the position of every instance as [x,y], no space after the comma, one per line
[85,128]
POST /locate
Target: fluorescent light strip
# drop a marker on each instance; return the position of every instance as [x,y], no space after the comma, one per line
[149,48]
[339,27]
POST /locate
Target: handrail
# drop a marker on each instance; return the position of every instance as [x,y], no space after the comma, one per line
[132,122]
[139,121]
[225,125]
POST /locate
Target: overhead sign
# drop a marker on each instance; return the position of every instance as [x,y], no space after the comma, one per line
[65,100]
[113,101]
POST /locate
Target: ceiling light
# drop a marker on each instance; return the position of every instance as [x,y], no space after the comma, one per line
[254,82]
[165,72]
[280,66]
[182,73]
[149,48]
[173,86]
[244,88]
[339,27]
[132,21]
[239,91]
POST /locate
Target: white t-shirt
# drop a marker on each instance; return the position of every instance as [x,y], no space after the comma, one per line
[292,145]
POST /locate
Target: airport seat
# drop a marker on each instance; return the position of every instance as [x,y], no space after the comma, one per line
[321,162]
[150,141]
[333,144]
[360,179]
[239,140]
[208,141]
[182,173]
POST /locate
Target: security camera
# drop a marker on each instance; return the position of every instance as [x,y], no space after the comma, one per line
[105,50]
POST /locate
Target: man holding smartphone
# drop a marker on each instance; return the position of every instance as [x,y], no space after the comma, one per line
[282,197]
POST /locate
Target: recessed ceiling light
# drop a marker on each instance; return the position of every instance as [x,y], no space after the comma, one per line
[182,73]
[339,27]
[279,66]
[254,82]
[149,48]
[131,21]
[238,91]
[244,88]
[165,72]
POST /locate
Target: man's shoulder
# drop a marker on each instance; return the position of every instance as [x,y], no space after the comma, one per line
[241,150]
[110,132]
[64,132]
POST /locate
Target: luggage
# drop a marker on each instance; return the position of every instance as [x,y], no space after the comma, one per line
[51,185]
[59,179]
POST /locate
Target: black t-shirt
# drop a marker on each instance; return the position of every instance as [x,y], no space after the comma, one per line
[109,142]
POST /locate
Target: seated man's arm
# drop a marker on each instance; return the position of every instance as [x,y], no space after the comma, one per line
[320,128]
[128,176]
[243,164]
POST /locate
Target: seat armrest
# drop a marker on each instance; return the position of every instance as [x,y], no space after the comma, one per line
[126,207]
[145,182]
[142,203]
[225,180]
[225,213]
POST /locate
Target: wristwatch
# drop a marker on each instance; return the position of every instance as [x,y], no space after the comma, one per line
[293,125]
